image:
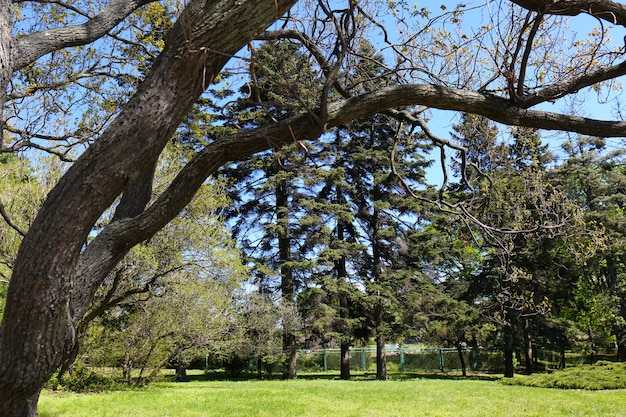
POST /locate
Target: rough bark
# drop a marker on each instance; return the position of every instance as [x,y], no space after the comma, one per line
[31,47]
[6,27]
[611,11]
[446,98]
[47,297]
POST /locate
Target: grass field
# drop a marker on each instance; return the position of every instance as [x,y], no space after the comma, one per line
[324,397]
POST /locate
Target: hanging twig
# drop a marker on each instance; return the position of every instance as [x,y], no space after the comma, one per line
[10,222]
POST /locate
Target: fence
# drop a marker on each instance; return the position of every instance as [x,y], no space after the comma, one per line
[413,359]
[401,359]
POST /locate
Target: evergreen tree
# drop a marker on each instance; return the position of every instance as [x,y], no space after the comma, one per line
[524,214]
[594,177]
[267,189]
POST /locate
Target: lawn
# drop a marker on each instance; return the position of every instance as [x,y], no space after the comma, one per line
[323,397]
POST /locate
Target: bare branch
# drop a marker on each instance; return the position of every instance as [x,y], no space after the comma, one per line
[526,54]
[10,222]
[574,84]
[31,47]
[607,10]
[492,107]
[58,85]
[310,46]
[60,3]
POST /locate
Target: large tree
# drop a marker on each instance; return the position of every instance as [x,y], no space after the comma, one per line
[61,264]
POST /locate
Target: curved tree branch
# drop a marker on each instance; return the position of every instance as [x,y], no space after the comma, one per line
[493,107]
[526,55]
[608,10]
[118,237]
[561,89]
[126,149]
[31,47]
[9,221]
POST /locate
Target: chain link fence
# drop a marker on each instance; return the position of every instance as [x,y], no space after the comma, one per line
[411,359]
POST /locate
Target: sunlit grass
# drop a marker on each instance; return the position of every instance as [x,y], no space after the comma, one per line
[601,375]
[308,398]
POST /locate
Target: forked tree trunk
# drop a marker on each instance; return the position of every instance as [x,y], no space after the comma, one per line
[55,275]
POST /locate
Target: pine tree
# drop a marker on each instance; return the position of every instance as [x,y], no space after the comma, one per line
[266,188]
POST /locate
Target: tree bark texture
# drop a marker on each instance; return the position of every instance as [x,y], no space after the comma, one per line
[6,28]
[611,11]
[46,298]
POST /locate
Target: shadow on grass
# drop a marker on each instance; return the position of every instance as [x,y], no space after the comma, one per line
[220,375]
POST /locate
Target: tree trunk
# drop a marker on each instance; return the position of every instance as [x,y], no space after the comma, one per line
[181,373]
[291,371]
[6,27]
[592,343]
[29,407]
[47,297]
[344,313]
[621,345]
[127,367]
[459,349]
[345,361]
[509,346]
[528,350]
[562,362]
[620,329]
[381,359]
[286,272]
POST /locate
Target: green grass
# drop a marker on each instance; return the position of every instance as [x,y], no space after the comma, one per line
[325,397]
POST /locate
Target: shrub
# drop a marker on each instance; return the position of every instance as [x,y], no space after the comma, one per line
[601,375]
[82,379]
